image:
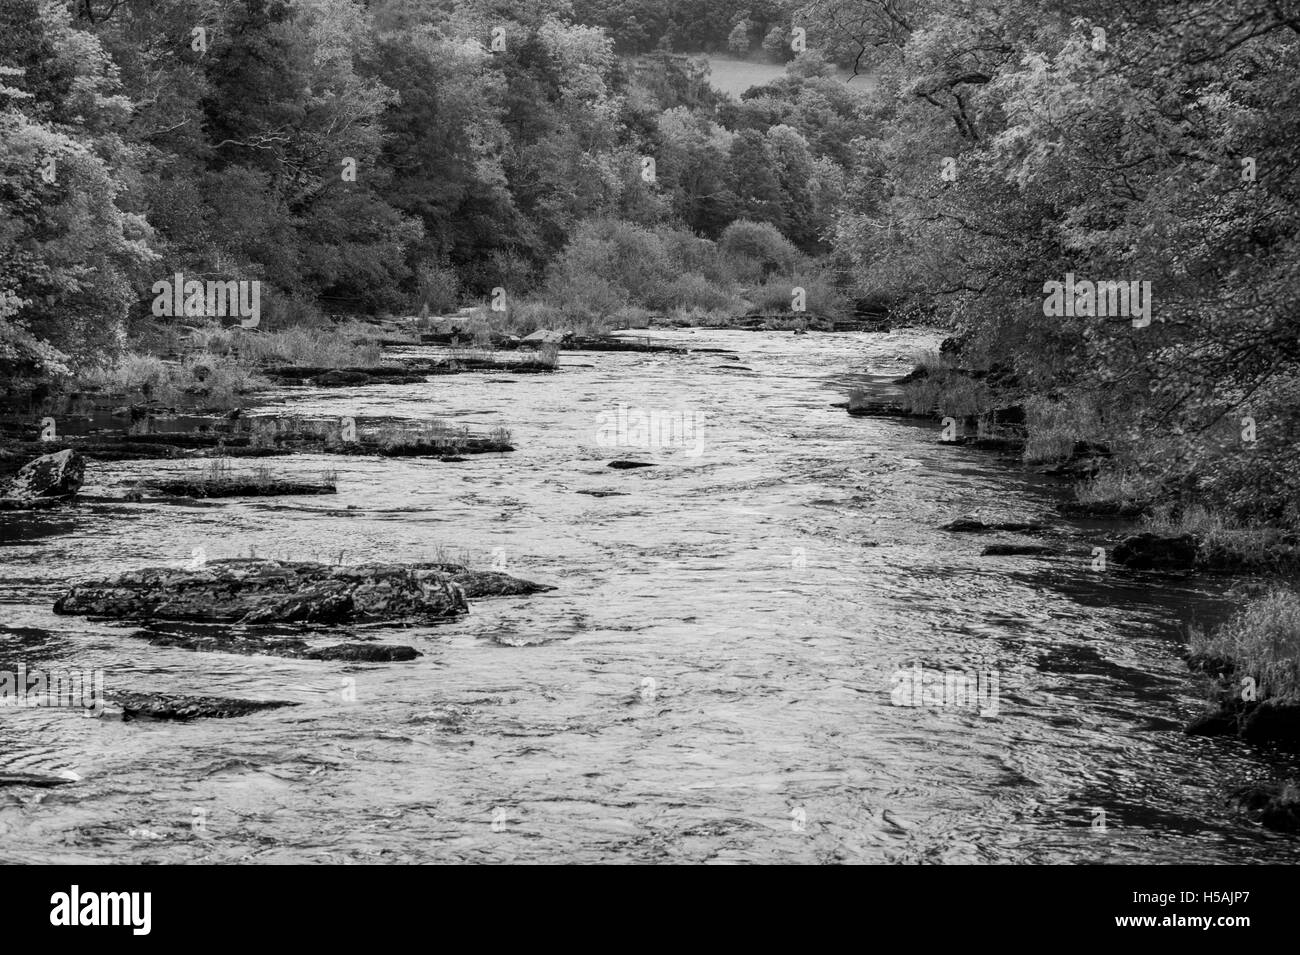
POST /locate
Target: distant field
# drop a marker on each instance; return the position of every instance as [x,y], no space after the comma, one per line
[732,75]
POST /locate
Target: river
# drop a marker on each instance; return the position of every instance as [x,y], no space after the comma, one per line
[714,678]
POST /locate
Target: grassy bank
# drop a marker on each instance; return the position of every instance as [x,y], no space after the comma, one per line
[1261,645]
[216,367]
[1174,488]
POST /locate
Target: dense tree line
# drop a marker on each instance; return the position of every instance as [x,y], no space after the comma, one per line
[1022,141]
[370,156]
[360,156]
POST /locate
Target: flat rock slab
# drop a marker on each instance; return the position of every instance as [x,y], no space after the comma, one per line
[546,336]
[262,591]
[238,488]
[39,780]
[973,526]
[1016,550]
[257,591]
[627,465]
[326,439]
[165,706]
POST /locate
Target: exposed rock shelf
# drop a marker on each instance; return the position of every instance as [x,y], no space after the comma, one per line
[257,591]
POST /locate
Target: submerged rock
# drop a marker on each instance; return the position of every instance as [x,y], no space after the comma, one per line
[245,487]
[975,526]
[363,653]
[249,644]
[39,780]
[166,706]
[1016,550]
[1149,551]
[626,465]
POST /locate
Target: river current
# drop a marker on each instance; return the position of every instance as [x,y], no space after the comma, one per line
[722,673]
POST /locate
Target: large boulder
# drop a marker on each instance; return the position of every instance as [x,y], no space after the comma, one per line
[49,476]
[545,336]
[1157,552]
[255,591]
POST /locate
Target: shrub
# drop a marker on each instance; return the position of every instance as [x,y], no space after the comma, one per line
[631,316]
[219,380]
[281,310]
[755,250]
[136,372]
[527,316]
[578,293]
[821,297]
[437,288]
[215,339]
[688,252]
[693,290]
[608,264]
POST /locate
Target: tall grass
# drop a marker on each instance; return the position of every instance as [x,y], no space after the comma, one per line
[821,297]
[947,393]
[522,317]
[1116,486]
[344,346]
[1262,642]
[434,434]
[217,471]
[208,379]
[1222,539]
[1056,427]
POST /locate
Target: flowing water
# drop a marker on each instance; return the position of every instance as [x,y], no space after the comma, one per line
[714,678]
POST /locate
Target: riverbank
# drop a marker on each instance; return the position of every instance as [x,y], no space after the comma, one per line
[1248,660]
